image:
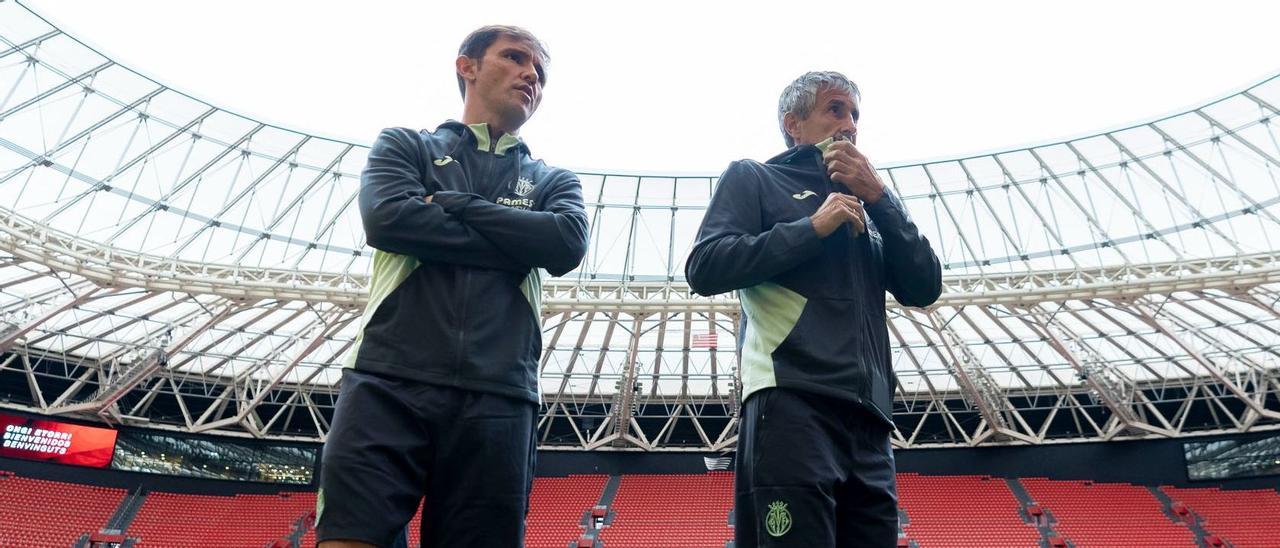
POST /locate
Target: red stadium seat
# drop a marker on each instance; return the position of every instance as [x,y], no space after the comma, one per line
[1107,514]
[40,513]
[671,511]
[1241,518]
[663,511]
[556,507]
[172,520]
[947,511]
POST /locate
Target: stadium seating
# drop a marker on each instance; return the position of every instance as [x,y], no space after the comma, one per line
[677,511]
[682,510]
[1243,519]
[309,536]
[960,511]
[1107,514]
[556,508]
[415,528]
[172,520]
[27,516]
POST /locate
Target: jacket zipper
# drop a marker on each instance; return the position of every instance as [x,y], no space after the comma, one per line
[465,286]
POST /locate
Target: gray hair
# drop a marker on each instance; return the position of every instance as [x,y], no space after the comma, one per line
[801,96]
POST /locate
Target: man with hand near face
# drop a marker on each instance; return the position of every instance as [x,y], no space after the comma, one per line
[811,240]
[440,395]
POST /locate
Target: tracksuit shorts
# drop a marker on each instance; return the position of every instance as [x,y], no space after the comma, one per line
[813,471]
[396,443]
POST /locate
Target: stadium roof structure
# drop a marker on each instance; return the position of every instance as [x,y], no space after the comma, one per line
[170,264]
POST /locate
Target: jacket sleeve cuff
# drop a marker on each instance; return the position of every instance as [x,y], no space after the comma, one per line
[800,237]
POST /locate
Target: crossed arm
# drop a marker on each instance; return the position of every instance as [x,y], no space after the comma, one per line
[461,228]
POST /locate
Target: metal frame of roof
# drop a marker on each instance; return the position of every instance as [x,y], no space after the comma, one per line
[167,263]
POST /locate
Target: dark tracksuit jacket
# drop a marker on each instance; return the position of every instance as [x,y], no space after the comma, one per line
[456,288]
[813,308]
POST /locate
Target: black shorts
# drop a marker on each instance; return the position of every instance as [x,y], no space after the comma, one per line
[813,471]
[394,441]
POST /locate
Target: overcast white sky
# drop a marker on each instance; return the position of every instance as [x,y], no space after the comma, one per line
[686,87]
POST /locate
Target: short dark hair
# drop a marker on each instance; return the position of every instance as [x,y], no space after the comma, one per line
[478,42]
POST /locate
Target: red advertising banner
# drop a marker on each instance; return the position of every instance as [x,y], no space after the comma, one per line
[52,441]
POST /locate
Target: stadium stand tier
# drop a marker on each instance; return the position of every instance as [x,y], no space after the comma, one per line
[174,520]
[678,510]
[1107,514]
[956,511]
[38,513]
[1240,518]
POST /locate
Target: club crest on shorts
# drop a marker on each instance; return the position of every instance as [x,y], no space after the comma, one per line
[524,186]
[778,521]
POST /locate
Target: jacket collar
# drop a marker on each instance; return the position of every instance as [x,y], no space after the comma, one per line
[479,134]
[802,155]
